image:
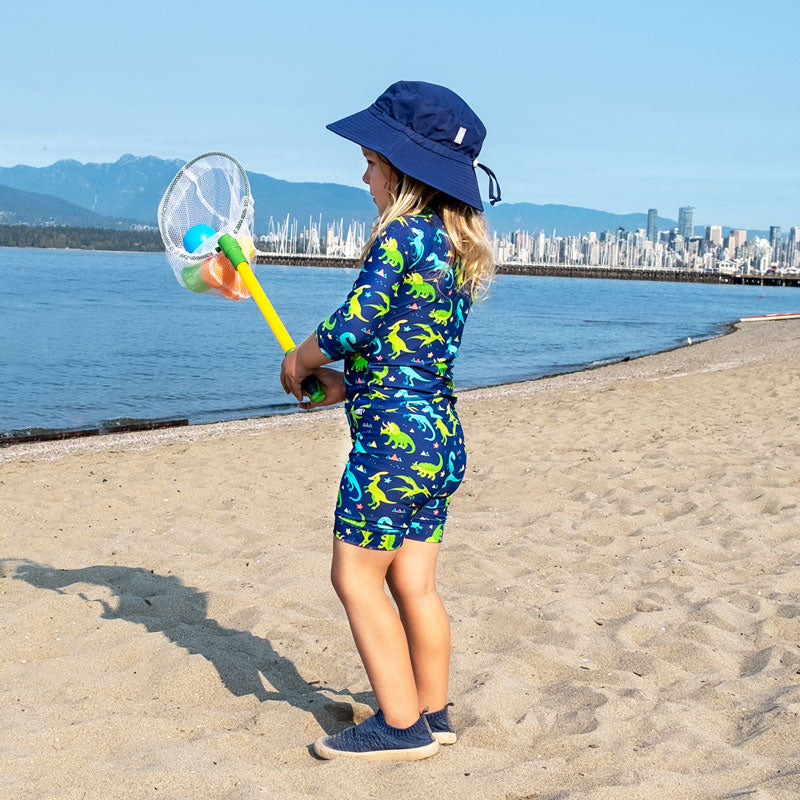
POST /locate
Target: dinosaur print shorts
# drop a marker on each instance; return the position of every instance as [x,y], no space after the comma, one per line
[407,459]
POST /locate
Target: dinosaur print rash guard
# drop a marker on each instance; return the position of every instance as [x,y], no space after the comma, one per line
[400,327]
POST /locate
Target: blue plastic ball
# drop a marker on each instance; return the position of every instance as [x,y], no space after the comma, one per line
[195,236]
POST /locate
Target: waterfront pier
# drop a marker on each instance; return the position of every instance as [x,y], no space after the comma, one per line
[306,260]
[560,271]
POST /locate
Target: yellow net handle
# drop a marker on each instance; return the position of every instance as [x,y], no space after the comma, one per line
[233,252]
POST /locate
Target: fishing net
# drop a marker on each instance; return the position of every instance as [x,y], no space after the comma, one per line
[210,196]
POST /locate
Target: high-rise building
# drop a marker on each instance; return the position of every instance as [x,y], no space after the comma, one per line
[539,247]
[739,236]
[775,241]
[652,224]
[686,221]
[714,234]
[793,246]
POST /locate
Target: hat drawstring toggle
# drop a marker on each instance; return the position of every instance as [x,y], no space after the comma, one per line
[494,185]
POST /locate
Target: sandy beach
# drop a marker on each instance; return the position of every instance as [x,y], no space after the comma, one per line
[621,567]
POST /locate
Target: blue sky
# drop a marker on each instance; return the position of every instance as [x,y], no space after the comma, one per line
[619,106]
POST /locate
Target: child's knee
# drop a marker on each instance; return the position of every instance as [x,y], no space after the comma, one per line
[339,581]
[409,586]
[351,585]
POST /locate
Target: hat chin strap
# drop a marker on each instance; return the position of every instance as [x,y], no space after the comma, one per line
[494,185]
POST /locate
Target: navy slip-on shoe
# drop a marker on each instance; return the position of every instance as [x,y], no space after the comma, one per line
[375,740]
[441,726]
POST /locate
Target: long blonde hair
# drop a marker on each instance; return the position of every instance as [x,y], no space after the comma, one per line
[473,261]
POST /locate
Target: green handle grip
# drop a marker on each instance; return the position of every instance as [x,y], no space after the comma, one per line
[312,389]
[231,249]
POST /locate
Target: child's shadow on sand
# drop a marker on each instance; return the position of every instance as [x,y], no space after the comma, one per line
[162,604]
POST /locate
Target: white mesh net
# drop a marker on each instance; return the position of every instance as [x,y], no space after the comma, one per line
[211,190]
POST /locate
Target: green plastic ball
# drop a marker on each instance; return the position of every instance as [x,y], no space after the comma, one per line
[193,278]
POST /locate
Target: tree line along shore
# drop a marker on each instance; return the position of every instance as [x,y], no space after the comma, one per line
[63,236]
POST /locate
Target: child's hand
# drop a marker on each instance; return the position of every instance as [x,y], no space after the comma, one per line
[290,380]
[302,362]
[332,383]
[293,374]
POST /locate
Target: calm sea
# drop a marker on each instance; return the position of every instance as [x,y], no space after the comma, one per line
[89,337]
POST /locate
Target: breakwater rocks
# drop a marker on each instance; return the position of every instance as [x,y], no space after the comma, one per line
[303,260]
[558,271]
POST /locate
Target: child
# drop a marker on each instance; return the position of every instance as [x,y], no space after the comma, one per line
[398,333]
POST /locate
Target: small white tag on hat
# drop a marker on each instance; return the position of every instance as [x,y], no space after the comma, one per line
[460,135]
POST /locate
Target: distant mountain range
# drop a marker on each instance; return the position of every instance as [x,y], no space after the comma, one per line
[566,220]
[126,194]
[18,207]
[132,187]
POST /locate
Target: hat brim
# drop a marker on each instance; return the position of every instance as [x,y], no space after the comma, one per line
[449,175]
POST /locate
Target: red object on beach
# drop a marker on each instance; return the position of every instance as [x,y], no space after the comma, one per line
[770,317]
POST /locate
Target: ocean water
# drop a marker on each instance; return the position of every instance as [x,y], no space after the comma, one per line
[89,337]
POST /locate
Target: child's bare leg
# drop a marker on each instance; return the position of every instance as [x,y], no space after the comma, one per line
[358,576]
[412,581]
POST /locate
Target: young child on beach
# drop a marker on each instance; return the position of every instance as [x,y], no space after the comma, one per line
[398,332]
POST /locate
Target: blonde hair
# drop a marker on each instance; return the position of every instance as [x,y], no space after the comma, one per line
[473,261]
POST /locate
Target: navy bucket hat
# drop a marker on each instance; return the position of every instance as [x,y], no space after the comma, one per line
[428,132]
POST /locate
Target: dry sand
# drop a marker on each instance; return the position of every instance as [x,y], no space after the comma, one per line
[620,567]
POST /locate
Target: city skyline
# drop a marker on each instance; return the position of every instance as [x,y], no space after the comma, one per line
[715,251]
[686,227]
[612,106]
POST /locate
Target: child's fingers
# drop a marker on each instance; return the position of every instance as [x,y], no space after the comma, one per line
[309,404]
[290,383]
[288,376]
[284,379]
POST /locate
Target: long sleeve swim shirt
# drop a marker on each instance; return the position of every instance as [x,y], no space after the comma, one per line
[401,325]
